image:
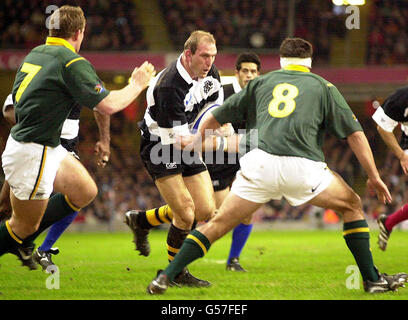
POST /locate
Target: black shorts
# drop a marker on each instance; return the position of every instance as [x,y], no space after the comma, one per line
[161,161]
[222,176]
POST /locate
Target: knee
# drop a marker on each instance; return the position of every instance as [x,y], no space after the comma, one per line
[355,202]
[353,206]
[206,211]
[183,214]
[86,195]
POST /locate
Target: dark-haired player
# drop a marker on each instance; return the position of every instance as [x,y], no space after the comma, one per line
[387,117]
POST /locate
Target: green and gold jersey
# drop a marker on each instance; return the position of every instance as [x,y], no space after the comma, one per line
[290,109]
[51,79]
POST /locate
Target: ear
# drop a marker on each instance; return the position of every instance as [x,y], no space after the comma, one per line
[188,54]
[76,35]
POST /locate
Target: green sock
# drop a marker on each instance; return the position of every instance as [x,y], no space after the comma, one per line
[7,238]
[57,208]
[195,246]
[357,236]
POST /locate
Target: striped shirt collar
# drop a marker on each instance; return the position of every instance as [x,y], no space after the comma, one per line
[54,41]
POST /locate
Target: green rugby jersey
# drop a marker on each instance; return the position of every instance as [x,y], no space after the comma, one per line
[50,80]
[291,109]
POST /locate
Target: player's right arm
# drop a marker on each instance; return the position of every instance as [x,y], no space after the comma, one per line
[392,143]
[117,100]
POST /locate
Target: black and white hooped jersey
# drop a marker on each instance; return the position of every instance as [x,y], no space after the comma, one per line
[174,100]
[394,111]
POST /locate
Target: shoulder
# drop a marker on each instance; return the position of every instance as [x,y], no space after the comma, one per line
[214,73]
[169,78]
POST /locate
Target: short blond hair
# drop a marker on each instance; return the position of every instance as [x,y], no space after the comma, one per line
[69,20]
[195,38]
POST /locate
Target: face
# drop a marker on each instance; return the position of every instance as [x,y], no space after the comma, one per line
[202,60]
[248,71]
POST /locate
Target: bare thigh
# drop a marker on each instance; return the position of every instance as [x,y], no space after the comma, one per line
[232,212]
[202,193]
[26,215]
[340,197]
[74,181]
[221,195]
[177,196]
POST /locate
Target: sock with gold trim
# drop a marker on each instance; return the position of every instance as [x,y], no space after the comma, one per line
[175,238]
[7,238]
[357,236]
[194,247]
[155,217]
[58,208]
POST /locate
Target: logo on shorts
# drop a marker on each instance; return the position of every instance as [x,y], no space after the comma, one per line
[171,165]
[314,189]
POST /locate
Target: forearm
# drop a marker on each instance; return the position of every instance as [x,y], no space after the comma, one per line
[391,141]
[359,144]
[118,100]
[103,122]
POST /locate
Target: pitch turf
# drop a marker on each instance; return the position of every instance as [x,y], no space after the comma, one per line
[282,265]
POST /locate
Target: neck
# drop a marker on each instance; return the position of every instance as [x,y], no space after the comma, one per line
[188,69]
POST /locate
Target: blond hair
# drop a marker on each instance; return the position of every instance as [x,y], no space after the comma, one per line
[69,20]
[195,38]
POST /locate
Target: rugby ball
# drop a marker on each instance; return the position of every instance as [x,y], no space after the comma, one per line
[201,116]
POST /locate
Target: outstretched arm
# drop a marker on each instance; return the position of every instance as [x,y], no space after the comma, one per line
[359,144]
[118,100]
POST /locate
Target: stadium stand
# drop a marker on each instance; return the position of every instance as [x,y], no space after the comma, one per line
[388,38]
[251,23]
[111,25]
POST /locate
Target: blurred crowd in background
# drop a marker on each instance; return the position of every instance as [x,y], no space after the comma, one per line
[111,24]
[114,25]
[256,24]
[388,34]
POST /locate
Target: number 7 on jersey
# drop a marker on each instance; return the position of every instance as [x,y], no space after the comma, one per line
[31,70]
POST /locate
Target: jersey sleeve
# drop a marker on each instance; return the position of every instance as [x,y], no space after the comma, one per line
[8,102]
[340,119]
[170,117]
[234,108]
[83,83]
[396,105]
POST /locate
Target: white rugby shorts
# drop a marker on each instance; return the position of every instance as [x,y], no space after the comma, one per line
[30,168]
[264,177]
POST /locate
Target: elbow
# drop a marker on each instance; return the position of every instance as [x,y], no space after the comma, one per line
[105,107]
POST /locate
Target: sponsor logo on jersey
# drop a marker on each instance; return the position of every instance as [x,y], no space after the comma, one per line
[208,85]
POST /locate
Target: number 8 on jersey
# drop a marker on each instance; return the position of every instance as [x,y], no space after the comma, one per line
[283,93]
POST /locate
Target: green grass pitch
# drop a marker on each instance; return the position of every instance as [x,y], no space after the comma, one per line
[282,265]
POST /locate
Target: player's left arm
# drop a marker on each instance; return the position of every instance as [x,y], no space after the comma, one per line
[359,144]
[102,147]
[8,110]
